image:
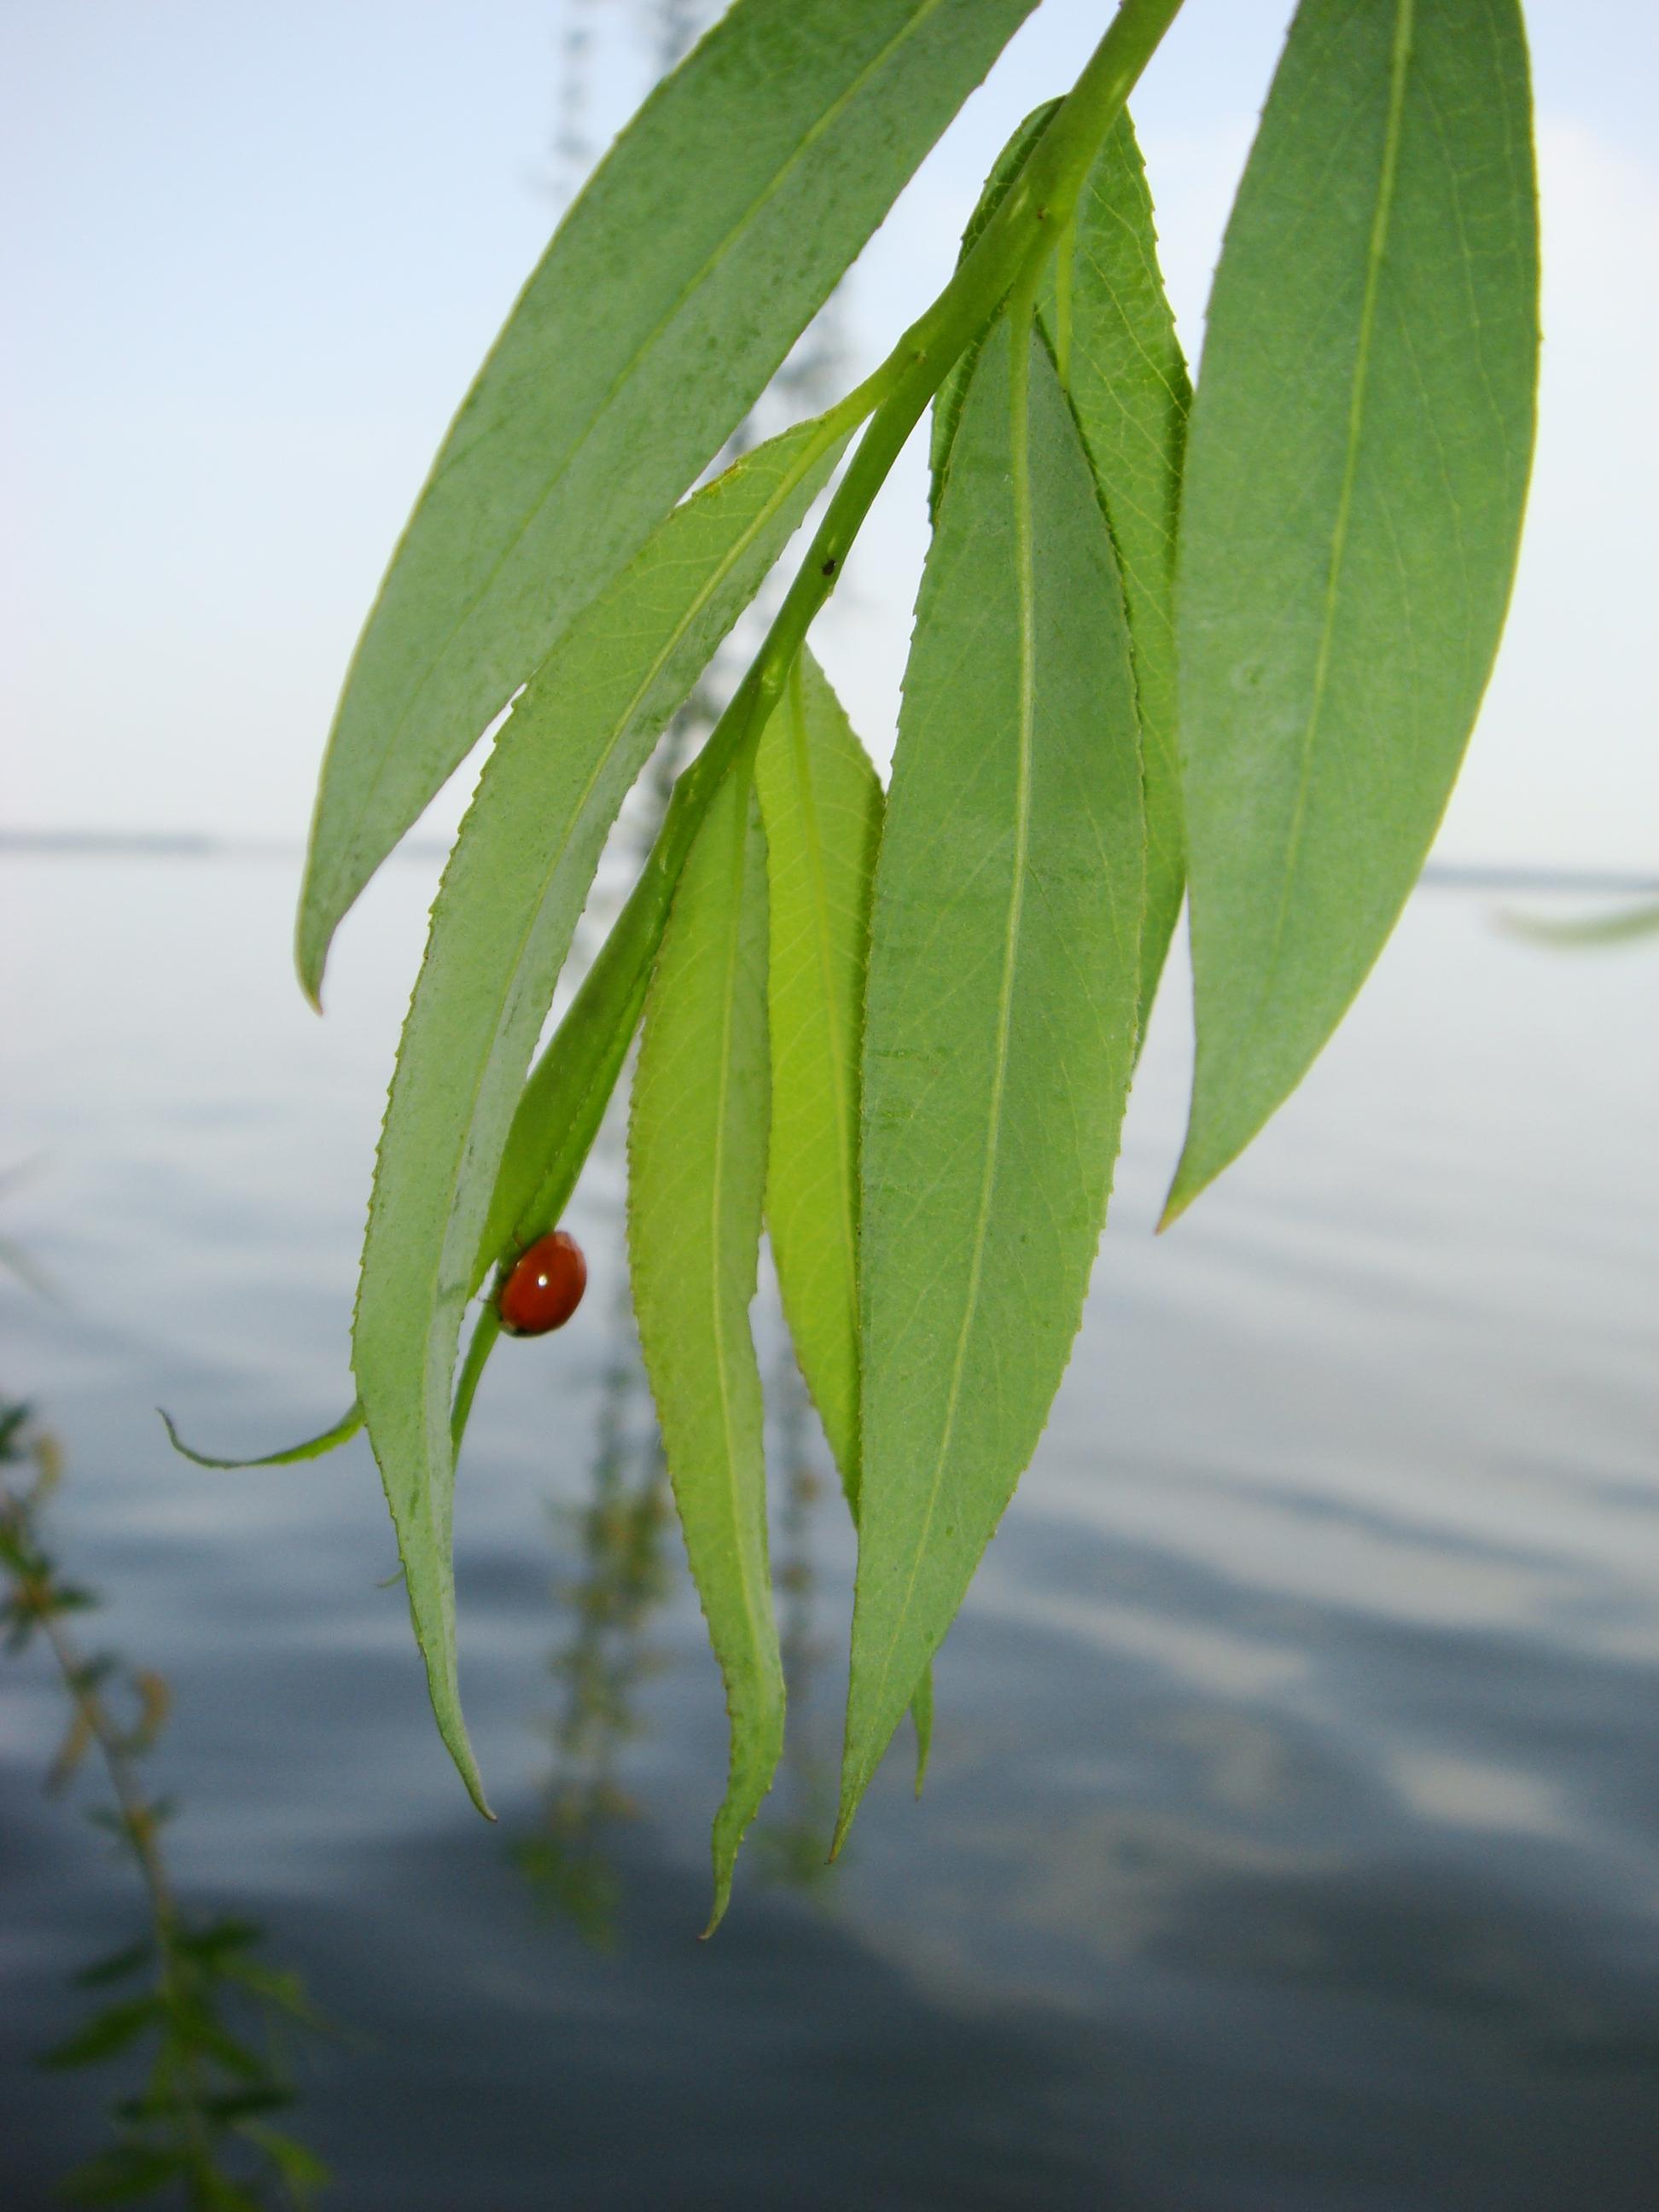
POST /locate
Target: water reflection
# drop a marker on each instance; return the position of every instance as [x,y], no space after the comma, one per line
[624,1566]
[619,1579]
[1293,1845]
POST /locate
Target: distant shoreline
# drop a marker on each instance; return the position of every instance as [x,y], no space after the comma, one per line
[189,845]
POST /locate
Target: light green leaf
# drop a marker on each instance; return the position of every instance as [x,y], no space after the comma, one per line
[716,226]
[821,802]
[1354,484]
[697,1141]
[1000,1021]
[503,924]
[1121,364]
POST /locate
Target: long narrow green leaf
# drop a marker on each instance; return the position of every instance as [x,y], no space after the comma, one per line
[716,226]
[697,1142]
[821,802]
[1000,1023]
[1108,321]
[1354,485]
[1121,364]
[500,928]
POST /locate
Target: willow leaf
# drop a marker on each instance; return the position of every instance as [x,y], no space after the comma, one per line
[1000,1018]
[1107,322]
[697,1140]
[716,226]
[502,925]
[1121,364]
[947,402]
[821,803]
[1354,485]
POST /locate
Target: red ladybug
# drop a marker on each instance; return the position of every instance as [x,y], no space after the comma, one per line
[545,1286]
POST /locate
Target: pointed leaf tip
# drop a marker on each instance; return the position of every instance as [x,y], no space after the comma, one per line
[697,1146]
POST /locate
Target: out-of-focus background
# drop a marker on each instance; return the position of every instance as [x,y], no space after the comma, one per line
[1291,1836]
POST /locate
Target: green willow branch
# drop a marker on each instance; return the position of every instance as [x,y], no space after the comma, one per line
[566,1094]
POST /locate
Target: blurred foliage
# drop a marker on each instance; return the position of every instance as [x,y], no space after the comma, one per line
[1620,928]
[211,2020]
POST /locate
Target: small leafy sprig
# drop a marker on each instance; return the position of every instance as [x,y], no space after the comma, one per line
[1224,642]
[201,2128]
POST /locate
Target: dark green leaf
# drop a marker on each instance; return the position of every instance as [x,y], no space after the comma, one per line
[281,1988]
[219,2193]
[303,2173]
[116,1965]
[105,2034]
[218,1941]
[240,2105]
[697,1140]
[503,920]
[198,2028]
[719,223]
[1000,1023]
[1354,485]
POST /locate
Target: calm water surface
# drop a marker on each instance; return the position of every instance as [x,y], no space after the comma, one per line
[1292,1839]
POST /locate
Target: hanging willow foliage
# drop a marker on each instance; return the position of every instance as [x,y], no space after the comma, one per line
[1226,643]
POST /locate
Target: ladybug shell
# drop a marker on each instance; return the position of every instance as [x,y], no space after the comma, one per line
[545,1286]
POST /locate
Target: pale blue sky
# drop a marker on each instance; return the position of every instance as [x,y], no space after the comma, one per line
[254,254]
